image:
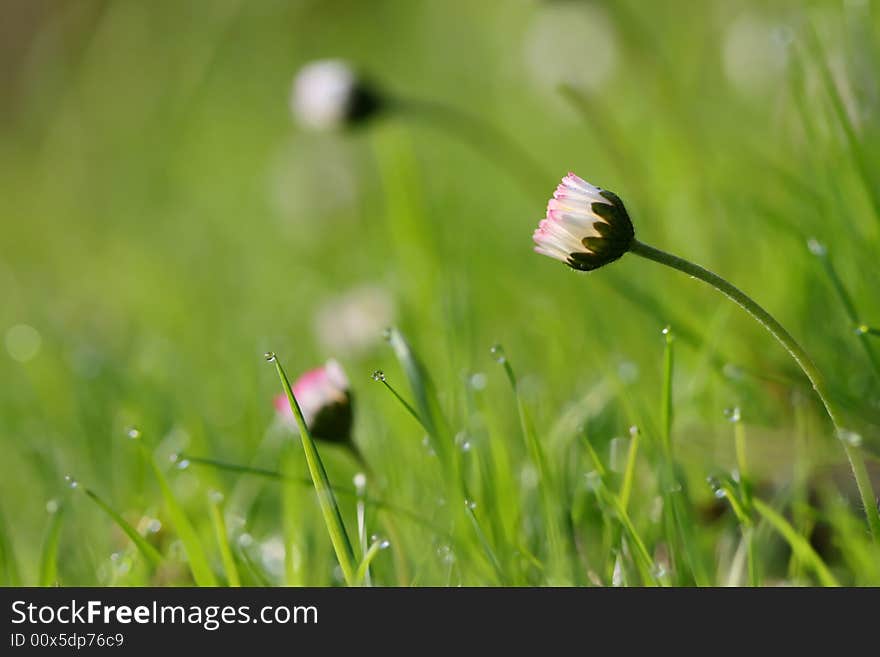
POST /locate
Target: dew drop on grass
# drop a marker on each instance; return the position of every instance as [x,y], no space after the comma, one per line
[478,381]
[628,371]
[379,375]
[245,540]
[360,482]
[658,571]
[183,464]
[383,543]
[816,247]
[850,437]
[71,482]
[732,414]
[269,356]
[470,504]
[716,487]
[154,525]
[447,556]
[666,330]
[732,372]
[497,352]
[52,506]
[861,329]
[132,433]
[215,496]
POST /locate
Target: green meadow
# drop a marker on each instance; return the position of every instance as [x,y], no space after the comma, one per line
[167,222]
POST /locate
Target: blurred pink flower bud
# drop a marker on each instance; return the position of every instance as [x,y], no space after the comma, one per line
[324,396]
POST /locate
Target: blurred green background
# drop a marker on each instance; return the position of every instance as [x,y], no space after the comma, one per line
[165,222]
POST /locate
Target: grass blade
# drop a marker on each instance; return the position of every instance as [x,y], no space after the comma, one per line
[215,502]
[460,488]
[49,554]
[149,553]
[862,162]
[798,543]
[192,544]
[422,388]
[675,503]
[326,499]
[629,470]
[549,497]
[361,577]
[849,306]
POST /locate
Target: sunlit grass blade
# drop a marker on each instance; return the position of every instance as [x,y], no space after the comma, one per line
[547,485]
[49,554]
[196,556]
[675,501]
[848,304]
[740,503]
[854,142]
[363,570]
[326,498]
[798,543]
[644,561]
[215,503]
[630,468]
[294,510]
[459,487]
[146,550]
[253,569]
[488,550]
[426,406]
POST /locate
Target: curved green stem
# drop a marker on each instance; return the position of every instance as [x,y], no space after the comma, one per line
[860,472]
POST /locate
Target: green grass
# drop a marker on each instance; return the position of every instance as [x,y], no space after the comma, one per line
[165,223]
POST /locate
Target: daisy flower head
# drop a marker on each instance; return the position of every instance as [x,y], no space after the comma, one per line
[327,95]
[324,396]
[585,227]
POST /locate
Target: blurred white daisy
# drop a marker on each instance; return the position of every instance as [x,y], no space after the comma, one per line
[352,322]
[570,43]
[327,95]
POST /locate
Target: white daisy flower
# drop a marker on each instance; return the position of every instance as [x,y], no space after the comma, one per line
[327,95]
[586,226]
